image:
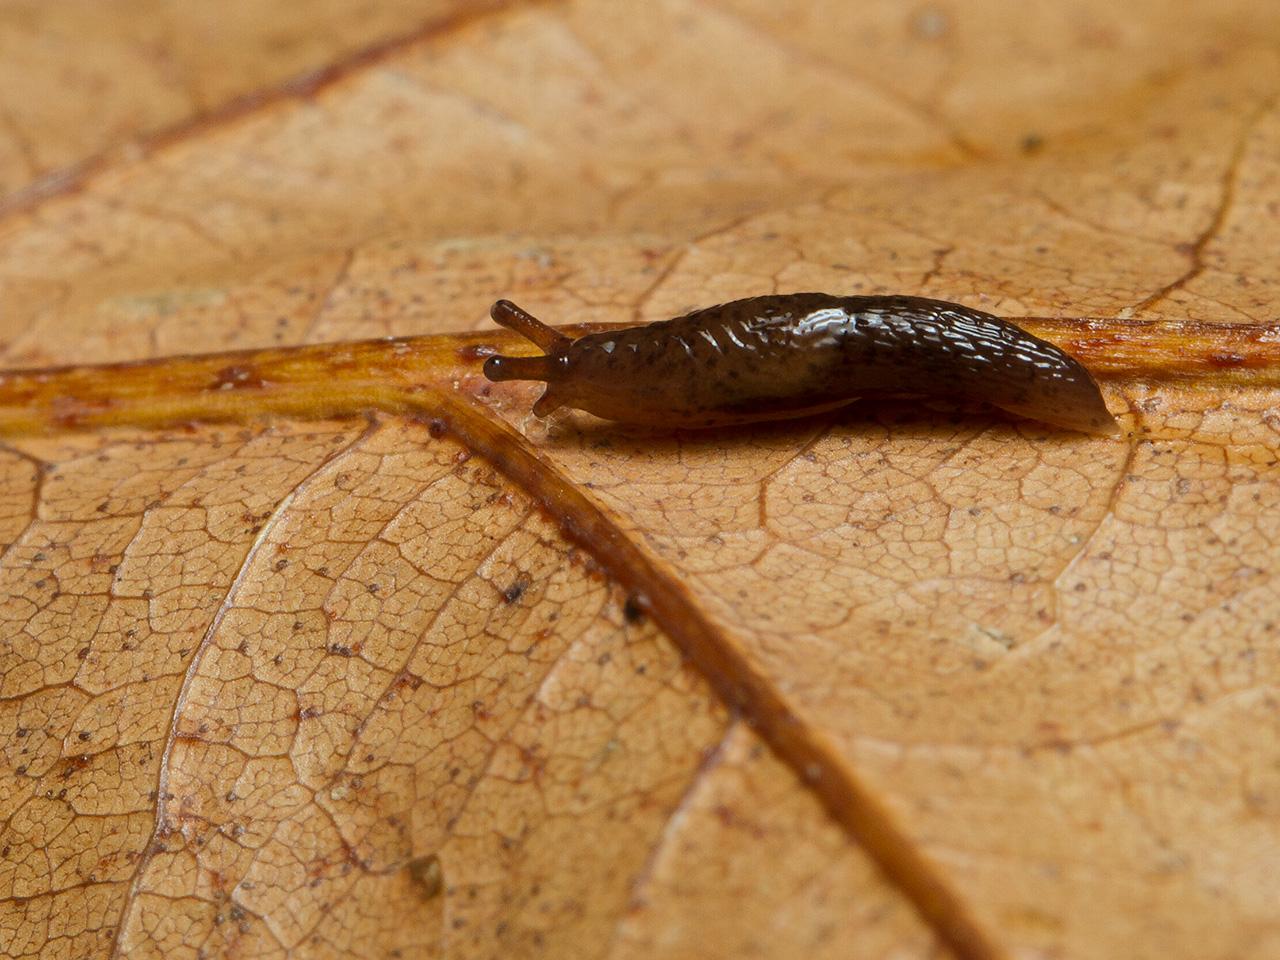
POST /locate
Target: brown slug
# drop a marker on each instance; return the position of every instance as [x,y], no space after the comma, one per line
[773,357]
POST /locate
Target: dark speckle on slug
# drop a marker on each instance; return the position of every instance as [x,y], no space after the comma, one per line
[769,358]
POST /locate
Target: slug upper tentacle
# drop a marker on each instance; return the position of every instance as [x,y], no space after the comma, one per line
[768,358]
[550,367]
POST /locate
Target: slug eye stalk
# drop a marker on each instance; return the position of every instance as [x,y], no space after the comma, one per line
[546,368]
[507,314]
[499,368]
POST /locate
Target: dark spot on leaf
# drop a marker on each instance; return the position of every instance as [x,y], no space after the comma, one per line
[427,876]
[633,609]
[514,592]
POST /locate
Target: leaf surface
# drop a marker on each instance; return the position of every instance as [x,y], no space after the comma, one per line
[339,652]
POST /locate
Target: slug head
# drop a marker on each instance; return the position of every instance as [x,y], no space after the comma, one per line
[553,368]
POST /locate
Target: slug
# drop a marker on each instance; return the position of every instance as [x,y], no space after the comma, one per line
[773,357]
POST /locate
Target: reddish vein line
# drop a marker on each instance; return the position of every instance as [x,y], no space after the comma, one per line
[1226,201]
[811,755]
[72,178]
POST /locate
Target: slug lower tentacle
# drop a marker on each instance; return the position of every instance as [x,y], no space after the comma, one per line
[773,357]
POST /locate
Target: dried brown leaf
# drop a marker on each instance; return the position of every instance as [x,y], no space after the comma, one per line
[279,679]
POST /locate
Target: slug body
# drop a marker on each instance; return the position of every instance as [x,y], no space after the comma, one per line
[768,358]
